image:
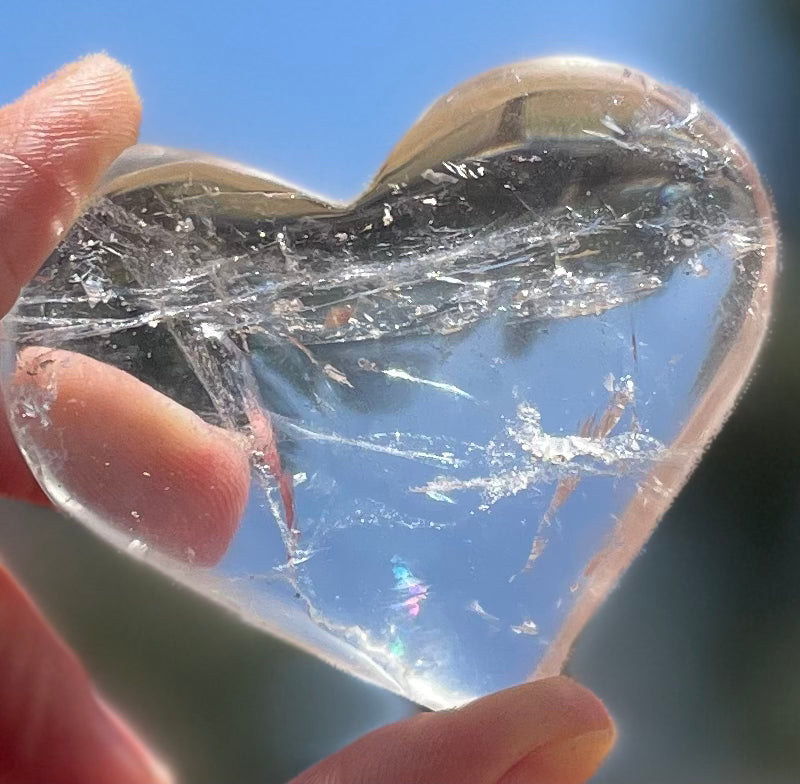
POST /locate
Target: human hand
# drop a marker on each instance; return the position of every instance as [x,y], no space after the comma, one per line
[55,143]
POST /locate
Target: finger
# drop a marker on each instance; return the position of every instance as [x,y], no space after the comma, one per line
[16,480]
[551,731]
[55,143]
[146,464]
[53,726]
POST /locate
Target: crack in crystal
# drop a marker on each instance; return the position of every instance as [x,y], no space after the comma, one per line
[541,458]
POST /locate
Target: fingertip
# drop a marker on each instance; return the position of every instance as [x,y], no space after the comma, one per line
[101,92]
[92,100]
[55,143]
[581,734]
[579,706]
[133,456]
[16,479]
[552,731]
[573,760]
[94,68]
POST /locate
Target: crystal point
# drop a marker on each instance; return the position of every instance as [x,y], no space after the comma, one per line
[420,434]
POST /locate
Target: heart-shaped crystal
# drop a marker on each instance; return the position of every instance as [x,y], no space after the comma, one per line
[459,404]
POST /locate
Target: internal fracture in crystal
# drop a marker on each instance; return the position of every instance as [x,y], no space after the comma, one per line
[465,398]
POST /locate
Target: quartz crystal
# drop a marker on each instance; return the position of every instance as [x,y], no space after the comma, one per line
[466,397]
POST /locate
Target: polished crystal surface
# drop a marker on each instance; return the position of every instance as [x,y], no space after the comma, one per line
[467,396]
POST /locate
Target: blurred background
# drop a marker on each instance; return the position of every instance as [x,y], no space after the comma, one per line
[696,653]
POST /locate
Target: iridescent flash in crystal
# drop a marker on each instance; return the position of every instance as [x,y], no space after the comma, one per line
[465,398]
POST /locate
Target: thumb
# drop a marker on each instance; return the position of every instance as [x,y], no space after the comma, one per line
[551,731]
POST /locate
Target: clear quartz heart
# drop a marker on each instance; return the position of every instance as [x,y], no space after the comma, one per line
[466,397]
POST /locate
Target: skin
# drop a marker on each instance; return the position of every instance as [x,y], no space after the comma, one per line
[55,142]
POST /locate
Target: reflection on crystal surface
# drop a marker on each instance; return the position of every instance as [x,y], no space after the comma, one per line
[466,398]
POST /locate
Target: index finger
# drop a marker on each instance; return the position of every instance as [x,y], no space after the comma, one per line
[55,143]
[146,464]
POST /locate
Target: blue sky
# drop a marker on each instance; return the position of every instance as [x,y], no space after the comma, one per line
[319,92]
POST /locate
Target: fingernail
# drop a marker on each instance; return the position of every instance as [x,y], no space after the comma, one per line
[567,761]
[569,734]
